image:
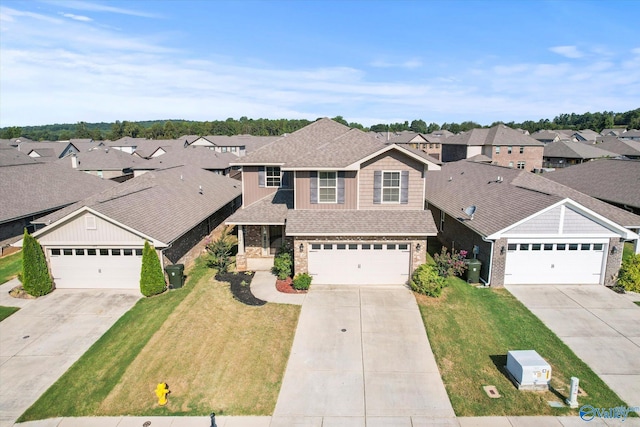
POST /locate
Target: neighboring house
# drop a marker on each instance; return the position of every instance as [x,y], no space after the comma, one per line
[104,162]
[564,153]
[351,206]
[613,181]
[14,142]
[50,151]
[546,136]
[585,135]
[126,144]
[239,145]
[624,147]
[427,143]
[527,229]
[32,189]
[505,147]
[200,157]
[612,132]
[632,134]
[97,242]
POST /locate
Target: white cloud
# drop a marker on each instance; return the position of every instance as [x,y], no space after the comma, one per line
[409,64]
[77,17]
[567,51]
[98,7]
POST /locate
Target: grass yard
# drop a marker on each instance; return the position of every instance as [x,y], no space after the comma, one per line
[7,311]
[215,354]
[471,330]
[10,266]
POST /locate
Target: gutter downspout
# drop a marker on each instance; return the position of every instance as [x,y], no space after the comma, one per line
[488,282]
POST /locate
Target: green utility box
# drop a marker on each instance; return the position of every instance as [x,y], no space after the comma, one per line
[176,275]
[473,270]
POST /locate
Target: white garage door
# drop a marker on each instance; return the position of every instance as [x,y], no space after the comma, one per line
[359,264]
[554,263]
[96,268]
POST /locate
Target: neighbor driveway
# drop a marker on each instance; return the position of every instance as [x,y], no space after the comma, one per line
[46,336]
[600,326]
[361,352]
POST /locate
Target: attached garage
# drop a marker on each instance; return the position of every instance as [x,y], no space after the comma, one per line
[555,262]
[104,268]
[373,263]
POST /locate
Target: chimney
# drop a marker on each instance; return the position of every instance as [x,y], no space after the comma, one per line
[74,161]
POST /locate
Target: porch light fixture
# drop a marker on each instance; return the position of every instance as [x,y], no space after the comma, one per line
[614,250]
[301,247]
[418,247]
[502,250]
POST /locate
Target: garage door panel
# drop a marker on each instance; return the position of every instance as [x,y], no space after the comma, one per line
[96,271]
[554,263]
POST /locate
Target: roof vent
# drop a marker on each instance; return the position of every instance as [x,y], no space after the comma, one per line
[450,178]
[181,178]
[200,189]
[499,179]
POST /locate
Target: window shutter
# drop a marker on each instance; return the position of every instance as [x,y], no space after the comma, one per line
[404,187]
[313,189]
[377,187]
[286,179]
[261,176]
[341,187]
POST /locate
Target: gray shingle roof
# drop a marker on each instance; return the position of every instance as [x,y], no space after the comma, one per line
[201,157]
[501,204]
[163,204]
[497,135]
[624,147]
[575,150]
[360,223]
[103,158]
[44,148]
[617,181]
[10,157]
[38,187]
[271,209]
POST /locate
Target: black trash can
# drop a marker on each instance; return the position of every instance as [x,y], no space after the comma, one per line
[176,275]
[473,270]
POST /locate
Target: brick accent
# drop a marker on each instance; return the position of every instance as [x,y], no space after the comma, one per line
[613,262]
[532,156]
[498,263]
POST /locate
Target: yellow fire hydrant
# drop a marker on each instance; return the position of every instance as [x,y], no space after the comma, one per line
[161,391]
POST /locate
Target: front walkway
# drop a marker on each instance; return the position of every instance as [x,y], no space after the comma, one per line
[601,327]
[361,355]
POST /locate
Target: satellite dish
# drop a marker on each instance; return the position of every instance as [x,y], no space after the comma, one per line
[470,210]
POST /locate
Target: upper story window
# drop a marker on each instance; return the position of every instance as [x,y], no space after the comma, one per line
[274,176]
[521,149]
[391,187]
[509,149]
[327,187]
[497,149]
[521,165]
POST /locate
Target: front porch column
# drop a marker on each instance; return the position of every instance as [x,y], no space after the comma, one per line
[240,239]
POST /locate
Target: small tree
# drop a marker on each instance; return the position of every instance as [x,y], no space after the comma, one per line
[36,279]
[221,250]
[283,262]
[426,280]
[450,264]
[151,275]
[629,277]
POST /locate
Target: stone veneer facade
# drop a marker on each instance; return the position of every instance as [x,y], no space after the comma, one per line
[613,261]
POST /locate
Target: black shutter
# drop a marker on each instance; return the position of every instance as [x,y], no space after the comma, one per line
[313,186]
[404,187]
[341,187]
[261,176]
[377,187]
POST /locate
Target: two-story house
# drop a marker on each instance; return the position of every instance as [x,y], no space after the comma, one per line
[351,207]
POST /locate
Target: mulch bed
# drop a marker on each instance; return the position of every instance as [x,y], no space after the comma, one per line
[240,287]
[286,286]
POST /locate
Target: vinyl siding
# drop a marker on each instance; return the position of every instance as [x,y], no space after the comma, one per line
[75,232]
[392,161]
[303,196]
[252,191]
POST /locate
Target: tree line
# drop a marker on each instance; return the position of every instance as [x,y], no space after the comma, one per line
[172,129]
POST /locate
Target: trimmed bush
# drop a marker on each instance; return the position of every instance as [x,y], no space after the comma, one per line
[36,279]
[426,280]
[302,281]
[629,277]
[283,263]
[151,275]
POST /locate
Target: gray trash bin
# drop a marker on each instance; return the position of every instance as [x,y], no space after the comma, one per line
[176,275]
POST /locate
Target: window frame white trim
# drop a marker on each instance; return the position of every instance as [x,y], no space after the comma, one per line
[266,177]
[399,188]
[335,187]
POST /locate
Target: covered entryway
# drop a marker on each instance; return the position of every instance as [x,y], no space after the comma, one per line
[555,262]
[359,263]
[112,268]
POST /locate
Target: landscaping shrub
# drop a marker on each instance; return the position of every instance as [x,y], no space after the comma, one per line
[450,264]
[151,275]
[283,263]
[629,276]
[221,250]
[426,280]
[302,281]
[36,279]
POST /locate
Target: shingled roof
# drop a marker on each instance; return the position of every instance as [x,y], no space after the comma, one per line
[163,204]
[497,135]
[103,158]
[575,150]
[9,156]
[503,202]
[201,157]
[624,147]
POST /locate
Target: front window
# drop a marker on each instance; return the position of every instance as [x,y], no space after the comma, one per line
[521,165]
[273,176]
[497,149]
[391,187]
[327,187]
[521,150]
[509,149]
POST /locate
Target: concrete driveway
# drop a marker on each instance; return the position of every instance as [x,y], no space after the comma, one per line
[361,353]
[601,327]
[46,336]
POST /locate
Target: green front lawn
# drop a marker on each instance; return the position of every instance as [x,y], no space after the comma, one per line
[10,266]
[471,329]
[215,353]
[7,311]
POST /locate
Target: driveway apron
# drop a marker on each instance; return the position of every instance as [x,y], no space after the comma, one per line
[46,336]
[361,354]
[601,327]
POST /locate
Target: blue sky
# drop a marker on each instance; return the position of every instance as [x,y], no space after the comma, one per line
[368,61]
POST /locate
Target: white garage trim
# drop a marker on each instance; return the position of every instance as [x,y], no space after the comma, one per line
[555,261]
[370,263]
[104,268]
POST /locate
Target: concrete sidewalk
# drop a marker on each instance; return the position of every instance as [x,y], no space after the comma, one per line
[361,356]
[263,286]
[600,326]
